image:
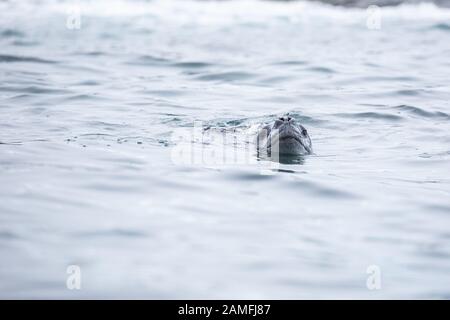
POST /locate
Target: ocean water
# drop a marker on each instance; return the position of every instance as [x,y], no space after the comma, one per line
[98,98]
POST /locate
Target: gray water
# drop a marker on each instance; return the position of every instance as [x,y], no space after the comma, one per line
[88,175]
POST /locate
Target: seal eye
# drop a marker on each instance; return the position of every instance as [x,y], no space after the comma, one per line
[304,132]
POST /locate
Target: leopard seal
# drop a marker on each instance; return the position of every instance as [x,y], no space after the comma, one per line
[285,136]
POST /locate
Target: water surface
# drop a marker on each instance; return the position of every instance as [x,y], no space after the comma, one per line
[88,177]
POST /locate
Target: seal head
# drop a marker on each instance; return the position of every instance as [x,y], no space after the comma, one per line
[286,136]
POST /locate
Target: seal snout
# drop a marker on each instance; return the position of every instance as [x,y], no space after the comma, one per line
[287,129]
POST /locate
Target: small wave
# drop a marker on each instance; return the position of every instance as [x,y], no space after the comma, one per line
[409,92]
[226,76]
[15,143]
[88,83]
[40,90]
[13,58]
[421,112]
[148,60]
[276,79]
[163,93]
[384,78]
[31,90]
[84,97]
[321,190]
[11,33]
[191,65]
[22,43]
[441,26]
[126,233]
[291,63]
[8,235]
[18,97]
[438,208]
[321,70]
[92,53]
[370,115]
[96,123]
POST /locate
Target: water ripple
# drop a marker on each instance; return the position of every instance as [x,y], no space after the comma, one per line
[370,115]
[148,60]
[32,89]
[11,33]
[191,65]
[441,26]
[291,63]
[4,58]
[416,111]
[322,70]
[113,233]
[226,76]
[321,190]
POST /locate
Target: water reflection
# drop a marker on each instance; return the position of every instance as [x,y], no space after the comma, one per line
[284,159]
